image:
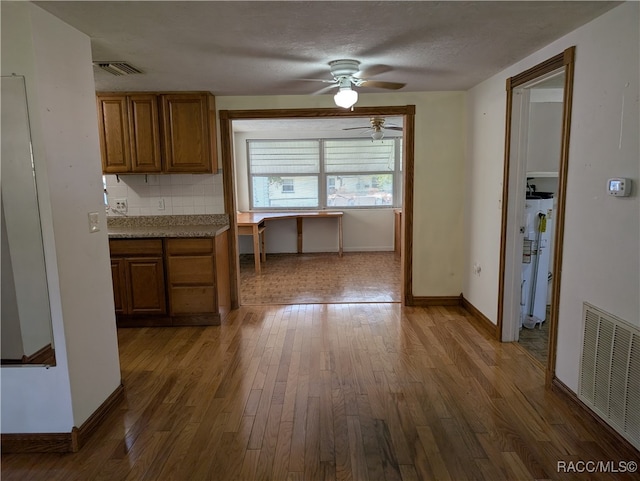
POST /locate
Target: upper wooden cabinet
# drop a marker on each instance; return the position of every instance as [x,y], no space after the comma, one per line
[113,121]
[144,133]
[186,133]
[154,132]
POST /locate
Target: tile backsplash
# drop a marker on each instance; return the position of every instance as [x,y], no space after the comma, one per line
[178,193]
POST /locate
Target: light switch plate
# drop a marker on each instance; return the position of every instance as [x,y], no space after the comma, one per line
[94,222]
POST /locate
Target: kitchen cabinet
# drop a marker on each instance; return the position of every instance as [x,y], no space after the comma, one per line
[188,142]
[144,133]
[191,276]
[170,281]
[137,268]
[119,285]
[155,132]
[113,123]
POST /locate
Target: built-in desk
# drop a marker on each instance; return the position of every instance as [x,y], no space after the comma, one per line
[253,223]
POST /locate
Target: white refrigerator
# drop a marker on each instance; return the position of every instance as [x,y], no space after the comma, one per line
[536,261]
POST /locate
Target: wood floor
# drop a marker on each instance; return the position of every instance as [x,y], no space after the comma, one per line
[321,278]
[341,391]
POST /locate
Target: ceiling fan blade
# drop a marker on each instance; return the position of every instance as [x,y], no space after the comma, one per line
[393,128]
[382,85]
[372,71]
[325,89]
[327,81]
[357,128]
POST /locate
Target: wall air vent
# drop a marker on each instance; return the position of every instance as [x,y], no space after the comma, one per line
[117,68]
[610,371]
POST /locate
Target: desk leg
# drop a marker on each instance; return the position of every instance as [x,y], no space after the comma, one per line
[340,236]
[256,247]
[264,246]
[299,222]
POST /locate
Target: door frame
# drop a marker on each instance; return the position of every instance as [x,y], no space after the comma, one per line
[565,60]
[227,117]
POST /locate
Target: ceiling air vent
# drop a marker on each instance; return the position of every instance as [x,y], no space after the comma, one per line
[117,68]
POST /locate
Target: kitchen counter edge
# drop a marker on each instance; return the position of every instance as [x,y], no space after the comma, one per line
[199,230]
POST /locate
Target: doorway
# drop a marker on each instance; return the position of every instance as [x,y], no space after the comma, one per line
[333,166]
[534,192]
[230,178]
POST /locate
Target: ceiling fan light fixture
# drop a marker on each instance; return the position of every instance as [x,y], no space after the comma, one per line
[377,135]
[346,98]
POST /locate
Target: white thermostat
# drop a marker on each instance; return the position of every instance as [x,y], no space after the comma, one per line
[619,186]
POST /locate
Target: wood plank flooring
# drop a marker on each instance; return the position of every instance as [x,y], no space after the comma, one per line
[329,392]
[321,278]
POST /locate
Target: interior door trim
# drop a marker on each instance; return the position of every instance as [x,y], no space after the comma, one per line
[227,117]
[565,59]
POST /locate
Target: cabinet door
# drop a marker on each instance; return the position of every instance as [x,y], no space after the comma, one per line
[114,133]
[119,285]
[144,133]
[187,146]
[146,285]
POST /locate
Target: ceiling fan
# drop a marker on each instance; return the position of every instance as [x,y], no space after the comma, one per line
[377,127]
[347,74]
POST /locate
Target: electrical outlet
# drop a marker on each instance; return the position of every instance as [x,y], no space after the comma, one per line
[477,269]
[160,204]
[120,205]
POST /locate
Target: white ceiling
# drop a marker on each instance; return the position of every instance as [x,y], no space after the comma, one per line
[266,48]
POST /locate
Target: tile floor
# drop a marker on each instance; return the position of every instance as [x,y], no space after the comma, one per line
[321,278]
[536,341]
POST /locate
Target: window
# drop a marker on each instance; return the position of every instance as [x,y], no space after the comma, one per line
[287,186]
[285,174]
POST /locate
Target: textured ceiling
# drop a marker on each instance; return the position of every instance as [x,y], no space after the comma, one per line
[267,48]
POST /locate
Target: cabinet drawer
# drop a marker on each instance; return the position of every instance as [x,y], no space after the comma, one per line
[192,300]
[189,246]
[136,247]
[191,270]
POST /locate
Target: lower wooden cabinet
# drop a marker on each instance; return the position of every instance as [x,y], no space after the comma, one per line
[146,293]
[173,281]
[137,270]
[191,276]
[138,285]
[119,285]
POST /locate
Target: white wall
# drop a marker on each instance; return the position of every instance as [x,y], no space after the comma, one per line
[56,60]
[181,193]
[545,132]
[602,234]
[439,162]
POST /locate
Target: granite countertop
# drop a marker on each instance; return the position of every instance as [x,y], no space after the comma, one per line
[206,225]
